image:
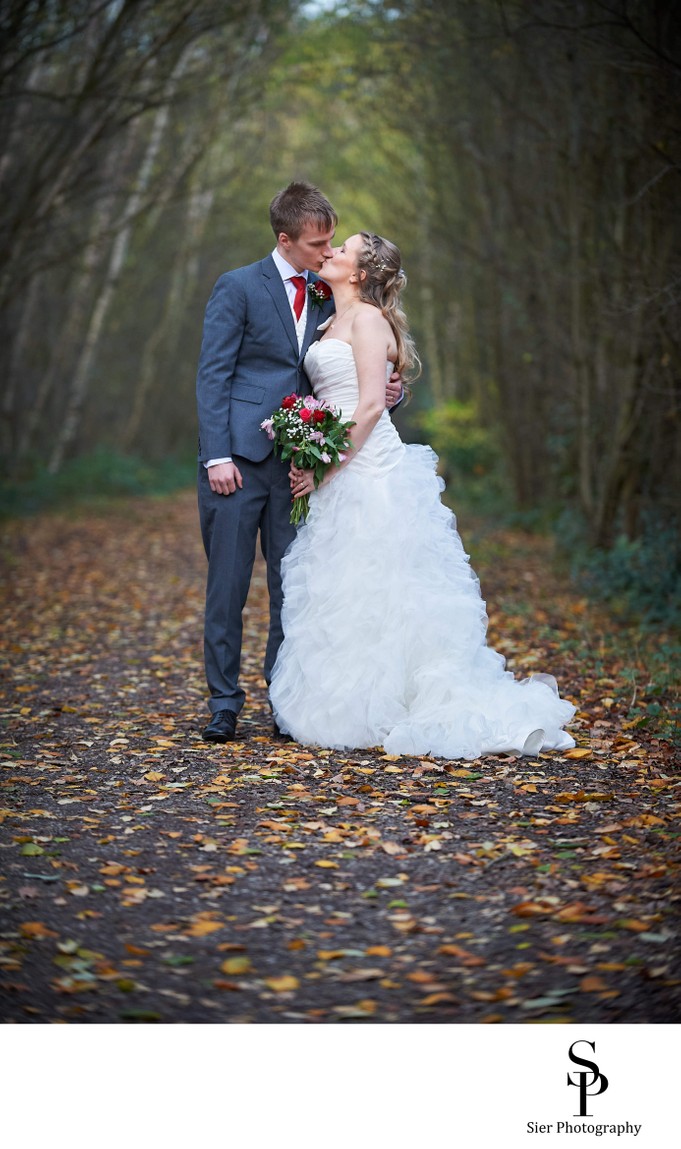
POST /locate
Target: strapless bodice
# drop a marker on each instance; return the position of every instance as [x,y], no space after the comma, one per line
[330,366]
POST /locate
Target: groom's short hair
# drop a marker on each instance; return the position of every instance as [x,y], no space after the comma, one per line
[296,206]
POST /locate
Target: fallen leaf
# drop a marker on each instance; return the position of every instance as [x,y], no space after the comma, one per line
[236,965]
[284,984]
[36,930]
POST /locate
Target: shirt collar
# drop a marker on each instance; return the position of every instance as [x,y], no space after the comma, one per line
[285,270]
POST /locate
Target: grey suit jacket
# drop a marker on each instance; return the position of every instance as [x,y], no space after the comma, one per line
[249,360]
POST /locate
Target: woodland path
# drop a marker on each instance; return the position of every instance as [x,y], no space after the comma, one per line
[148,876]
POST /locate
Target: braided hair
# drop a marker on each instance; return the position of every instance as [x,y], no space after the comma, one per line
[381,286]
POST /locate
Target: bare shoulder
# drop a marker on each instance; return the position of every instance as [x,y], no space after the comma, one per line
[370,323]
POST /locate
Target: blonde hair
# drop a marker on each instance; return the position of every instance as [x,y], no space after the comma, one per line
[382,285]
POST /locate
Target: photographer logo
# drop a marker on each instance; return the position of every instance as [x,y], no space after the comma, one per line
[587,1078]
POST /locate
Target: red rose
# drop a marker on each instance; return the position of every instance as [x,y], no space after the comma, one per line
[318,416]
[305,415]
[289,402]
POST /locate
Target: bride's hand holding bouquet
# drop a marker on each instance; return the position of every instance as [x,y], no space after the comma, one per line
[311,434]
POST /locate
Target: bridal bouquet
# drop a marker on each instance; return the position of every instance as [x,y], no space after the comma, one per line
[311,433]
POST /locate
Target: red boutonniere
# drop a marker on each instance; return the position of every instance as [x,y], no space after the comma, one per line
[319,293]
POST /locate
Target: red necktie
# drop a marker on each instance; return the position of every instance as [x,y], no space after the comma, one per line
[300,283]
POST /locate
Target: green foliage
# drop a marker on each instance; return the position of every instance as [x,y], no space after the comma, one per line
[93,478]
[469,456]
[639,578]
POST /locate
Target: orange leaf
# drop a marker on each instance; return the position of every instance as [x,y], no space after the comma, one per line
[378,951]
[529,909]
[200,929]
[36,930]
[367,1005]
[593,984]
[579,752]
[578,912]
[465,956]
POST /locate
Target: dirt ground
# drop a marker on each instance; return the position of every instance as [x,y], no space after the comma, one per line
[150,877]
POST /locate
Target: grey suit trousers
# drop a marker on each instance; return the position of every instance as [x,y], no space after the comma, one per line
[229,527]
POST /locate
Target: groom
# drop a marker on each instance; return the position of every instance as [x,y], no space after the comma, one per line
[259,322]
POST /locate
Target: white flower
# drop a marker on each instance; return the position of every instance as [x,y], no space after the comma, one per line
[326,458]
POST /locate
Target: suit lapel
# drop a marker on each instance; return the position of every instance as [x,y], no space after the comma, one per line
[275,286]
[315,316]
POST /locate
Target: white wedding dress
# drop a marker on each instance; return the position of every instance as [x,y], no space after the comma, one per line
[383,619]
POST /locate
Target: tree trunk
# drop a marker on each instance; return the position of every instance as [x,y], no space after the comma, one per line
[119,251]
[164,337]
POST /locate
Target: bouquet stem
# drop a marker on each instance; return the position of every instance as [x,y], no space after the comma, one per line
[300,508]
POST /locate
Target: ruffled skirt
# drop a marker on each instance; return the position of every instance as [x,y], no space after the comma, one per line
[385,629]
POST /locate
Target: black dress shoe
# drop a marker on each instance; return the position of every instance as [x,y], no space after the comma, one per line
[221,728]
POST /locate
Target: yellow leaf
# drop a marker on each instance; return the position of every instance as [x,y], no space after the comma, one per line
[200,929]
[324,865]
[236,965]
[579,752]
[154,776]
[634,924]
[283,984]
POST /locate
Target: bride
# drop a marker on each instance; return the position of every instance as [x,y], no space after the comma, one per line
[384,625]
